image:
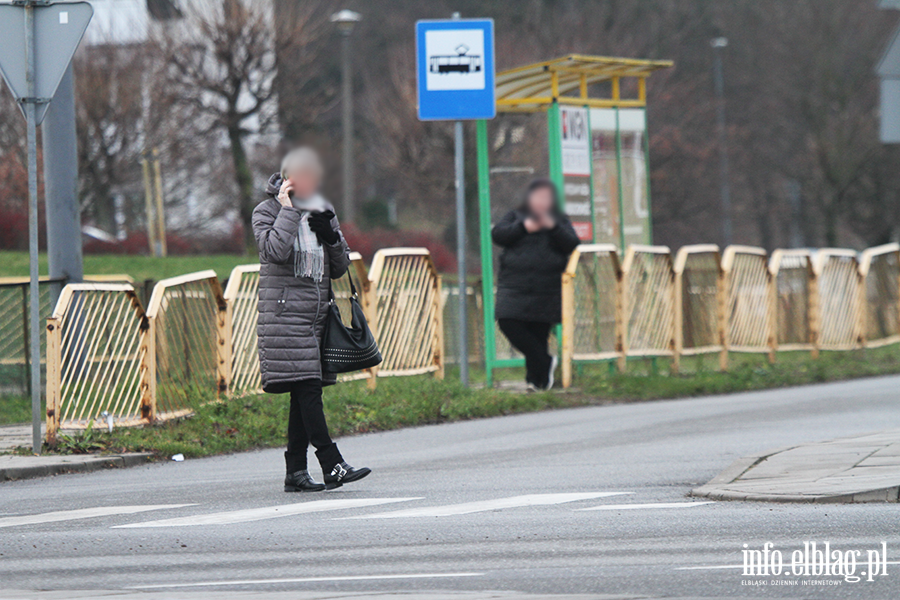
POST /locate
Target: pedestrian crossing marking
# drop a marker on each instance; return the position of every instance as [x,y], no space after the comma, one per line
[645,506]
[83,513]
[268,512]
[337,578]
[467,508]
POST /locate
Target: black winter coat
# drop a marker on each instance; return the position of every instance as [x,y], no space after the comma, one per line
[529,287]
[291,309]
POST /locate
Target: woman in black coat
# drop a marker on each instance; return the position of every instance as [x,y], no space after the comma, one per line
[301,248]
[537,240]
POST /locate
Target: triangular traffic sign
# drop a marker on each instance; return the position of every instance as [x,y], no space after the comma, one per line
[58,29]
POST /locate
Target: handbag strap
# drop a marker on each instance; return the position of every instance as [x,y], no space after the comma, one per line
[353,292]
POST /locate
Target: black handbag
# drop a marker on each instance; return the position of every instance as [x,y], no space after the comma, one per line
[346,349]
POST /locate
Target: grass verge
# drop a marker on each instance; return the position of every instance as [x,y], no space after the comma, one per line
[259,421]
[13,263]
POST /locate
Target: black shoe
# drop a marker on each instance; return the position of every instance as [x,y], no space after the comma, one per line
[300,481]
[343,473]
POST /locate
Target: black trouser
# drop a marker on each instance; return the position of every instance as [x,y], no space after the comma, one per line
[306,425]
[530,338]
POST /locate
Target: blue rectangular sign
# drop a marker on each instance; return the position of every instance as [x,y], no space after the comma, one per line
[455,69]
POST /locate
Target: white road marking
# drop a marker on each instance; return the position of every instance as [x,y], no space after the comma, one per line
[709,568]
[305,580]
[268,512]
[83,513]
[485,505]
[644,506]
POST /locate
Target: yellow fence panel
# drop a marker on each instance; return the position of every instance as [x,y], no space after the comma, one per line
[15,367]
[795,298]
[698,281]
[648,302]
[747,305]
[96,357]
[840,299]
[880,269]
[408,321]
[190,335]
[591,296]
[242,296]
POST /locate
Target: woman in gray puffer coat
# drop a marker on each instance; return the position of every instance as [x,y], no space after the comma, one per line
[301,248]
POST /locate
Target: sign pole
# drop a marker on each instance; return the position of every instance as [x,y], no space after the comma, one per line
[461,254]
[462,285]
[455,82]
[34,317]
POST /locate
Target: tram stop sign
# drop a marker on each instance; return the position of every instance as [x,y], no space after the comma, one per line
[58,29]
[455,69]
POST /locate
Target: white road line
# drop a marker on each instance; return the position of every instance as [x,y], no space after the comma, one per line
[645,506]
[305,580]
[84,513]
[709,568]
[486,505]
[268,512]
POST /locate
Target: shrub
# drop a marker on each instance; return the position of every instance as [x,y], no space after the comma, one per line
[368,242]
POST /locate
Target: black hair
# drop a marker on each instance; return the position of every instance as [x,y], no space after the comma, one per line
[538,184]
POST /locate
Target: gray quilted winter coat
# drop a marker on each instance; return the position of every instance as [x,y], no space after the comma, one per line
[291,309]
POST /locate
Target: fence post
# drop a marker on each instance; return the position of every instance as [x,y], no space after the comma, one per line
[439,323]
[678,316]
[25,345]
[370,306]
[772,309]
[621,327]
[54,358]
[721,306]
[223,339]
[862,306]
[568,317]
[148,369]
[813,310]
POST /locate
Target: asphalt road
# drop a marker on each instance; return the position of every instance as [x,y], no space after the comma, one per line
[580,501]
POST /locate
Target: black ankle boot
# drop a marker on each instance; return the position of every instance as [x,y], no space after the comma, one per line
[300,481]
[343,473]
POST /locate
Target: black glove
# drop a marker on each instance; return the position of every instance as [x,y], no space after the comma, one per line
[320,224]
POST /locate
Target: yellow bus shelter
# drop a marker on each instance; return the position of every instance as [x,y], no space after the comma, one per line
[598,154]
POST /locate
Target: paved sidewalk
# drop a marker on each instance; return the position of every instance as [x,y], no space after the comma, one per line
[14,467]
[12,436]
[857,469]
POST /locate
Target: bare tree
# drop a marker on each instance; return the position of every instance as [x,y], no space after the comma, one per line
[222,63]
[109,80]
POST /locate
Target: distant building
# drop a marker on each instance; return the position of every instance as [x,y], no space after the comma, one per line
[128,21]
[889,72]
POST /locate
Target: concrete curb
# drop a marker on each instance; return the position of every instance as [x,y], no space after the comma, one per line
[793,473]
[882,495]
[14,467]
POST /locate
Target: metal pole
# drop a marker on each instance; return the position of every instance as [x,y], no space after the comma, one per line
[35,343]
[148,203]
[160,207]
[462,285]
[487,251]
[347,107]
[61,187]
[719,81]
[461,254]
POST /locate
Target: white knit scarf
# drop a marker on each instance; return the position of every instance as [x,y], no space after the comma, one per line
[309,256]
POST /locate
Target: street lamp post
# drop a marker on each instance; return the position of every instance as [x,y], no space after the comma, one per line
[346,20]
[719,81]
